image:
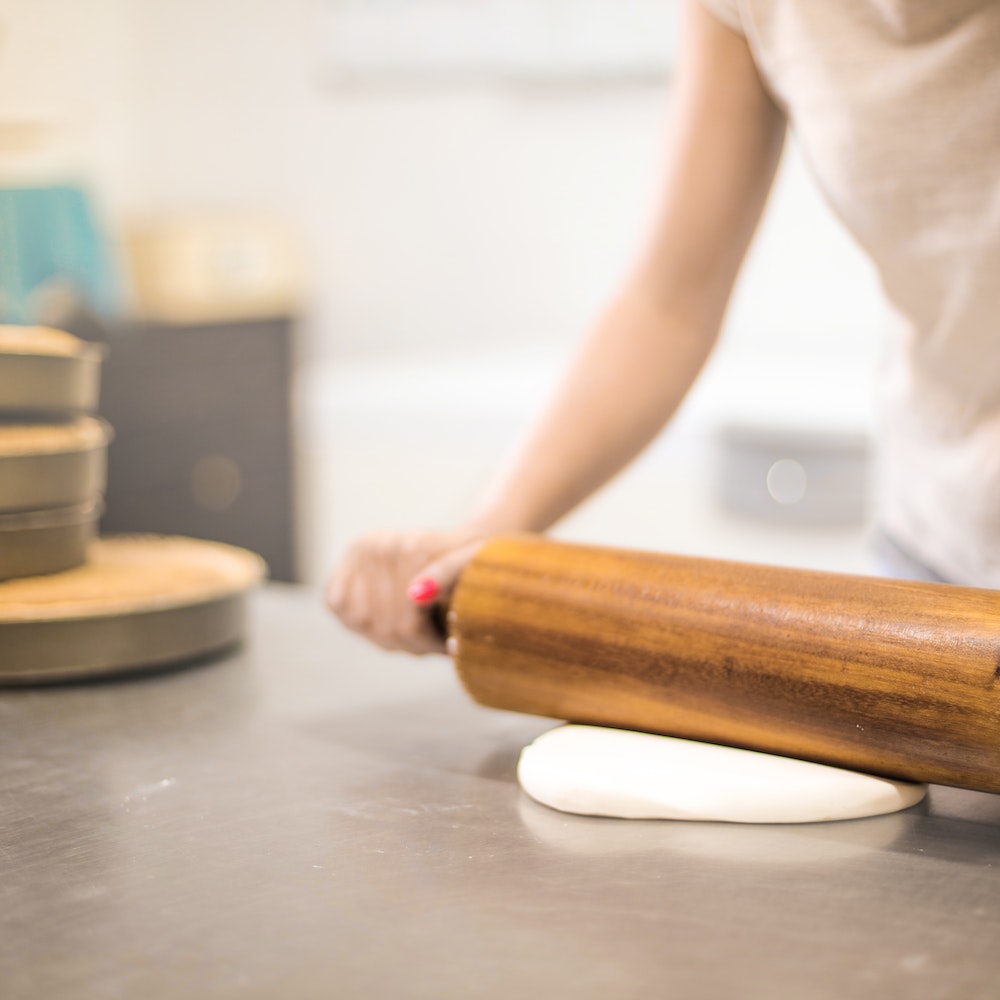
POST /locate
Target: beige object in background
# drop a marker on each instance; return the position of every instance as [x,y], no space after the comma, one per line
[208,267]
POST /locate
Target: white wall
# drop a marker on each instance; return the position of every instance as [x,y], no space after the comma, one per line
[437,221]
[66,73]
[433,221]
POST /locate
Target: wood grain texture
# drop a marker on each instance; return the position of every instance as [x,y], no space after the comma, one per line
[891,677]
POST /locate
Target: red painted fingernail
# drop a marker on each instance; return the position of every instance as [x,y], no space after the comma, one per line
[423,590]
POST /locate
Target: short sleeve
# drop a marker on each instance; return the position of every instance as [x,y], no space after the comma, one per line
[727,11]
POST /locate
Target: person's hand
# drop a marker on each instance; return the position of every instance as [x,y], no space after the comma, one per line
[388,582]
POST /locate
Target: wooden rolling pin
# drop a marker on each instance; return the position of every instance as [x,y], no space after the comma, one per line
[895,678]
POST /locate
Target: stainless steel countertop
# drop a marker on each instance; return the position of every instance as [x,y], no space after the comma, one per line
[313,818]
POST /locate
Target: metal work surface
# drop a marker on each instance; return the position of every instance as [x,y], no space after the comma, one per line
[312,818]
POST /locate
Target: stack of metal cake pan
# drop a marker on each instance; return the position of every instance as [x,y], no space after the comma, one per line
[72,605]
[53,450]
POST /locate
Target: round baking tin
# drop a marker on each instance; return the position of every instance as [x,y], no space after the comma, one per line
[34,385]
[48,541]
[94,630]
[63,477]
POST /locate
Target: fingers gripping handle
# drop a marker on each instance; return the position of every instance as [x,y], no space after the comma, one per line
[422,592]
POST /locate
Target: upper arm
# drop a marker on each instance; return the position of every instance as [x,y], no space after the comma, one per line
[725,140]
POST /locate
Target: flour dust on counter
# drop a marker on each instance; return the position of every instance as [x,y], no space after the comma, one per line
[595,771]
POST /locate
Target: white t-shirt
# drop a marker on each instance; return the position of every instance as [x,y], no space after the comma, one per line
[896,105]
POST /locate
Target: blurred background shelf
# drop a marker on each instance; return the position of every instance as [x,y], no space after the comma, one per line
[204,444]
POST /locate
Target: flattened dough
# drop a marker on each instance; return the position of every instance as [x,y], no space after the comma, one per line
[614,772]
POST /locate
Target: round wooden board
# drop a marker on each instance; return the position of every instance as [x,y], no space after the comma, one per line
[139,602]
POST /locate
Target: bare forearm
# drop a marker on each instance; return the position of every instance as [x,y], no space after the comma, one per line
[631,375]
[625,384]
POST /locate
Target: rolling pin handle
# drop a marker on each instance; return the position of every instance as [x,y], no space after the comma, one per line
[439,619]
